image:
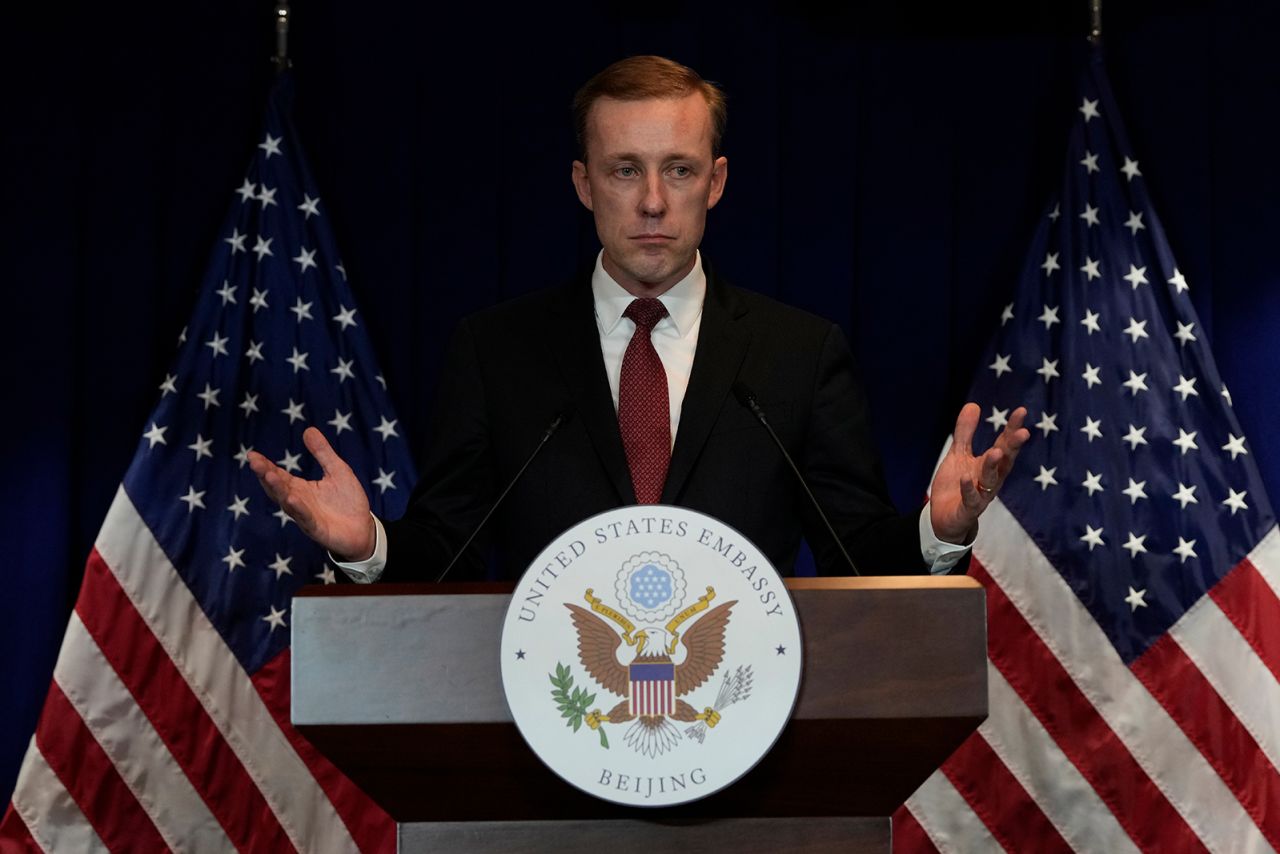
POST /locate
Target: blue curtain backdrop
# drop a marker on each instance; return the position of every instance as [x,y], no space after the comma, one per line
[886,169]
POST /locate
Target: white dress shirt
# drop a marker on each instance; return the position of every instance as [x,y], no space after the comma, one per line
[675,338]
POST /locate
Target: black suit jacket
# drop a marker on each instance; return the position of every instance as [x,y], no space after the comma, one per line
[513,367]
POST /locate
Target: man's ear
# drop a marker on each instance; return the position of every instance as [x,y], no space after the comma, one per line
[719,174]
[581,184]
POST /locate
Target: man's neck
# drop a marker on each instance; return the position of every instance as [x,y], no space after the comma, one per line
[638,288]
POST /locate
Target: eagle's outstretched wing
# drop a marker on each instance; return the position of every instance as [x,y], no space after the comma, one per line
[598,650]
[705,644]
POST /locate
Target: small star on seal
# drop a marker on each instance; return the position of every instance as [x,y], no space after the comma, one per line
[520,654]
[782,650]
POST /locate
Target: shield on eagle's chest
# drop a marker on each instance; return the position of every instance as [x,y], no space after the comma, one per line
[653,688]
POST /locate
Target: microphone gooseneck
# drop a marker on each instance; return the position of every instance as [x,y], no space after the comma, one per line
[748,399]
[556,423]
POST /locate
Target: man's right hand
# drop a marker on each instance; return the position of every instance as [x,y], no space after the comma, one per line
[333,511]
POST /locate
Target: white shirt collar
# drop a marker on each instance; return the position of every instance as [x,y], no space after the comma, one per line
[683,301]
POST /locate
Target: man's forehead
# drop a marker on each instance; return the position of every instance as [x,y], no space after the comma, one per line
[616,126]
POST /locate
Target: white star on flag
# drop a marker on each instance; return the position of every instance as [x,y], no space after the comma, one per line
[309,206]
[385,480]
[290,462]
[345,318]
[1186,441]
[386,428]
[234,559]
[1092,428]
[236,241]
[302,310]
[343,370]
[280,566]
[298,361]
[271,145]
[239,507]
[1134,545]
[304,259]
[1136,276]
[218,344]
[155,435]
[201,446]
[262,248]
[193,499]
[275,618]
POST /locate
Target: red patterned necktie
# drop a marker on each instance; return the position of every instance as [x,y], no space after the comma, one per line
[644,411]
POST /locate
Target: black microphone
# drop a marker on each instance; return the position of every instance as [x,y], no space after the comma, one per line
[748,399]
[561,416]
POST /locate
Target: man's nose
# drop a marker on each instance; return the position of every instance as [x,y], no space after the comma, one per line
[654,201]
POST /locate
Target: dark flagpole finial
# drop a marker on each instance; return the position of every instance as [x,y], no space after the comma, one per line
[281,59]
[1095,21]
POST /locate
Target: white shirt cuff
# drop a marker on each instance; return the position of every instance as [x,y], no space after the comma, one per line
[369,570]
[940,556]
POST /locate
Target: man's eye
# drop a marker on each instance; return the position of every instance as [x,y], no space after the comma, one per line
[681,171]
[626,172]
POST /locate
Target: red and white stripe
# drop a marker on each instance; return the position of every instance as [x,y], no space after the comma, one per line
[1177,752]
[653,697]
[153,736]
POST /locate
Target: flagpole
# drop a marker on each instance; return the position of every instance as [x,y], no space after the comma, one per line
[281,59]
[1095,15]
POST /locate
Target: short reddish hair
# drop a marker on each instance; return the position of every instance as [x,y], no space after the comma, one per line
[639,77]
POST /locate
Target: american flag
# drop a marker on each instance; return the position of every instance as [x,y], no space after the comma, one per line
[1132,562]
[167,723]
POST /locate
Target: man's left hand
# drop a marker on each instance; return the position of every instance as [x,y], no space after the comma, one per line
[964,484]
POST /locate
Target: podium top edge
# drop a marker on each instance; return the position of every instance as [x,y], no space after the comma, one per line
[885,582]
[490,588]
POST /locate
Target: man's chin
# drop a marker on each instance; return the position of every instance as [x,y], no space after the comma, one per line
[654,270]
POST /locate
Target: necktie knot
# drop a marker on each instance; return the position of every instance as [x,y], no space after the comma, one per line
[645,312]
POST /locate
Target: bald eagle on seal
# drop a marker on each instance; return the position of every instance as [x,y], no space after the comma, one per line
[652,684]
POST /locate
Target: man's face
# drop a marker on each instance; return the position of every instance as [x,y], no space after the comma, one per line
[650,180]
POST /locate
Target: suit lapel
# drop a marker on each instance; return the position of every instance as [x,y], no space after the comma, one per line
[722,344]
[577,350]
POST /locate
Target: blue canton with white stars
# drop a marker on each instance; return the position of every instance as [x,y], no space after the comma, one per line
[1137,484]
[274,344]
[651,586]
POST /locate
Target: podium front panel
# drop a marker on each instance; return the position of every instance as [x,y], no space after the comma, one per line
[400,687]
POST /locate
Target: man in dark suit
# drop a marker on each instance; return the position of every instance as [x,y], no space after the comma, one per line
[643,355]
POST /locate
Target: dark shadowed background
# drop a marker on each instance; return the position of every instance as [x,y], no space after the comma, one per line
[886,168]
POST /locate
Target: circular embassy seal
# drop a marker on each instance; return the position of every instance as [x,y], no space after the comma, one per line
[651,655]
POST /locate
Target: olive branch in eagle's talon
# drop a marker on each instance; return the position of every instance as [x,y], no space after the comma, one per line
[574,703]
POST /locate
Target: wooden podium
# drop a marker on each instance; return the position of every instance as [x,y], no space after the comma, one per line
[399,686]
